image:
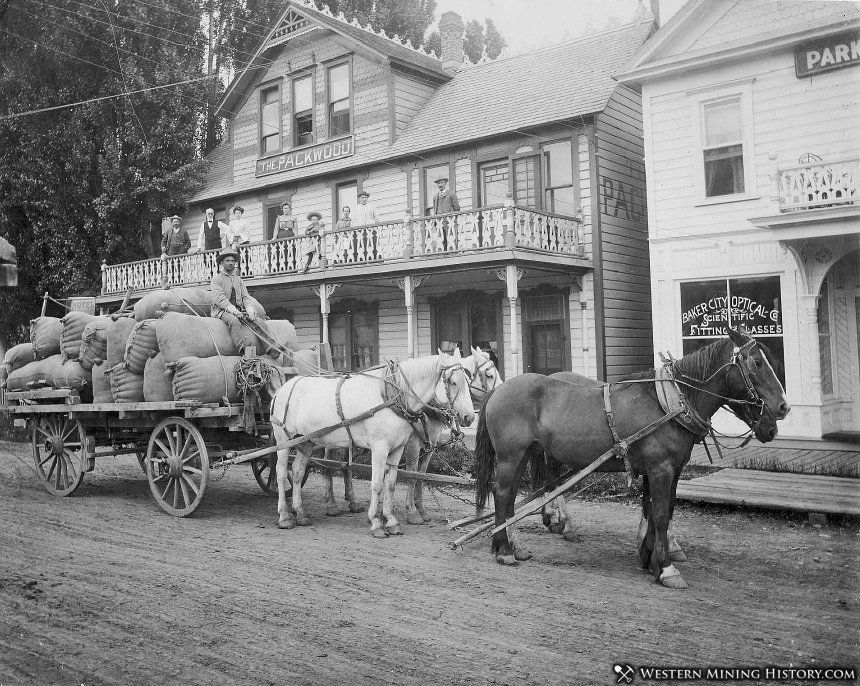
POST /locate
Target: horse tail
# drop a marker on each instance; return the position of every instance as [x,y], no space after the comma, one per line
[485,457]
[538,467]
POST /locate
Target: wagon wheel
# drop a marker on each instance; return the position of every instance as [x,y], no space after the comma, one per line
[177,466]
[60,451]
[267,477]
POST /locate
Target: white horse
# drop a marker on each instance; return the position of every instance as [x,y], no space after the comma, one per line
[305,405]
[483,378]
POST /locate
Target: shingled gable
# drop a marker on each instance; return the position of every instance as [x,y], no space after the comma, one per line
[712,31]
[558,83]
[299,19]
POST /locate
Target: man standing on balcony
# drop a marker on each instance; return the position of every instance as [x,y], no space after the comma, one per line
[444,201]
[212,235]
[176,240]
[365,215]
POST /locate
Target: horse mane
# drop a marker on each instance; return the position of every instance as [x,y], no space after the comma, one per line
[420,366]
[701,363]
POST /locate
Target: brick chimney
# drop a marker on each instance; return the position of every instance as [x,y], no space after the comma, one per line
[451,30]
[655,10]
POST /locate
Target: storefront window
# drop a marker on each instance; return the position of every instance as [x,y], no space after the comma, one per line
[708,306]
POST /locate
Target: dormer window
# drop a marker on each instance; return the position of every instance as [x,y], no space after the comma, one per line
[303,110]
[270,120]
[339,100]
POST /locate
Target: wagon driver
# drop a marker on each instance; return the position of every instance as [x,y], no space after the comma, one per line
[231,302]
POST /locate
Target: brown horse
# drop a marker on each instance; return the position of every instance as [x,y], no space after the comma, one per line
[532,413]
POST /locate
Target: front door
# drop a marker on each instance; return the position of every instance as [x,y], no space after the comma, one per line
[546,351]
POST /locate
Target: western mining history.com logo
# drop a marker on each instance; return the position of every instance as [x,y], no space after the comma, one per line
[628,674]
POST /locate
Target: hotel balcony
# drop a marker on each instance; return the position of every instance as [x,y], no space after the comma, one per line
[487,236]
[819,184]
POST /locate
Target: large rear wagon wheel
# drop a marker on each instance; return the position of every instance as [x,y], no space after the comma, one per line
[60,451]
[177,466]
[265,473]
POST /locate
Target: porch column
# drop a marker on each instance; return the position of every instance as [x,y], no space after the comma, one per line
[810,361]
[408,284]
[324,292]
[512,277]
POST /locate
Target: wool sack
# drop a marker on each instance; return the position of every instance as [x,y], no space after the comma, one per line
[117,336]
[45,335]
[183,335]
[19,355]
[142,344]
[207,379]
[157,381]
[125,387]
[94,342]
[101,384]
[185,300]
[74,324]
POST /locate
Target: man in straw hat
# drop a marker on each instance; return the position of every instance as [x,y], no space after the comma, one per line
[232,303]
[176,240]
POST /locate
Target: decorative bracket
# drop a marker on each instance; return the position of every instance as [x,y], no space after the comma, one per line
[416,281]
[501,274]
[330,288]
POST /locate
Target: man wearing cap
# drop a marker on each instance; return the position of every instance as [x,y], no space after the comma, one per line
[365,212]
[444,201]
[230,300]
[237,229]
[176,240]
[212,234]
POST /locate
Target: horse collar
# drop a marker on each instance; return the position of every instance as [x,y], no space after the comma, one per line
[672,398]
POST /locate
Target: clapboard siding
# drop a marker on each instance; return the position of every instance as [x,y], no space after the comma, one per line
[410,94]
[625,270]
[788,121]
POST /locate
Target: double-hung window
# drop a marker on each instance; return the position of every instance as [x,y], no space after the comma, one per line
[303,110]
[339,100]
[270,120]
[724,164]
[559,191]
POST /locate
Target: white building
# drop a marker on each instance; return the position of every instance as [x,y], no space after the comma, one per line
[752,133]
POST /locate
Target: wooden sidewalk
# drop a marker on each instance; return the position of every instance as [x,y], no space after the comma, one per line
[803,456]
[775,490]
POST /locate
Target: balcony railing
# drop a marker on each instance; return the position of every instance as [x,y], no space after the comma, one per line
[819,184]
[480,230]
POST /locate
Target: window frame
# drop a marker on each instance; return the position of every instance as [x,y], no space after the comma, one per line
[346,307]
[276,84]
[422,190]
[459,304]
[298,76]
[826,301]
[334,64]
[699,99]
[546,176]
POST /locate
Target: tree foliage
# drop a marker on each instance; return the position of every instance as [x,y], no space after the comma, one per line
[473,40]
[494,41]
[89,183]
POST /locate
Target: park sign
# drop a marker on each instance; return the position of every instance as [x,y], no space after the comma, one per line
[827,53]
[305,157]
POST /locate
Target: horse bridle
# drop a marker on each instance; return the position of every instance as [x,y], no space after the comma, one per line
[447,373]
[479,375]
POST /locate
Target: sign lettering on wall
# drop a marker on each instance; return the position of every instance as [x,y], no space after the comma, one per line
[708,305]
[305,157]
[619,200]
[835,51]
[87,305]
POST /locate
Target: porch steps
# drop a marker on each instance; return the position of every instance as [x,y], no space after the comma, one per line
[775,490]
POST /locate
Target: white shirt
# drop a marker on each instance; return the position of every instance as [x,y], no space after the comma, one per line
[364,215]
[237,232]
[201,236]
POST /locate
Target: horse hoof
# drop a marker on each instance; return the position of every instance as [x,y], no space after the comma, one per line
[677,556]
[569,536]
[356,508]
[303,521]
[379,533]
[675,582]
[522,555]
[286,524]
[414,519]
[507,560]
[556,528]
[332,511]
[394,530]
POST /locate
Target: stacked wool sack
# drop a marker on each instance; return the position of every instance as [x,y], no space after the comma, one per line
[16,357]
[122,386]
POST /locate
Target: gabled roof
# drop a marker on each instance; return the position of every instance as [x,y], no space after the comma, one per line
[557,83]
[708,31]
[380,44]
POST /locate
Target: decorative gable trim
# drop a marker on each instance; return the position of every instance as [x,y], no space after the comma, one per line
[293,24]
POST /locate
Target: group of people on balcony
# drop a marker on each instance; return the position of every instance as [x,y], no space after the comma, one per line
[215,234]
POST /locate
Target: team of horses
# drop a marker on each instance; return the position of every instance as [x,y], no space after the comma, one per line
[565,419]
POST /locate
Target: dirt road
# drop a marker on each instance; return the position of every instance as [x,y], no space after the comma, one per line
[104,588]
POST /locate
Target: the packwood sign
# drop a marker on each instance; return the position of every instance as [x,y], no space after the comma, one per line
[825,54]
[305,157]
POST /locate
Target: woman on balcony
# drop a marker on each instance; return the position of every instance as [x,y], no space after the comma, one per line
[237,229]
[286,224]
